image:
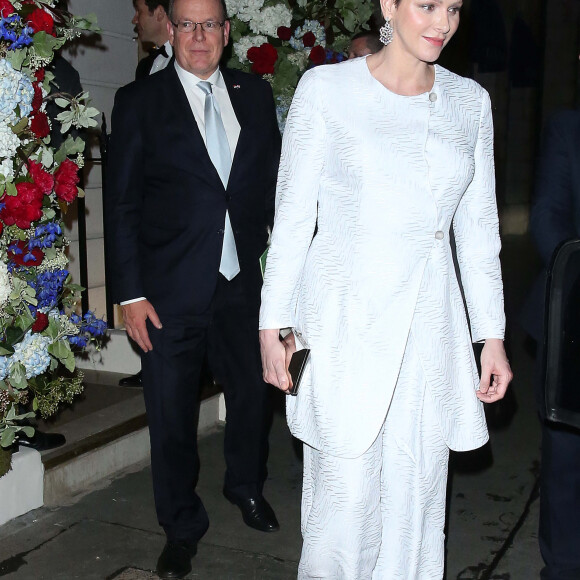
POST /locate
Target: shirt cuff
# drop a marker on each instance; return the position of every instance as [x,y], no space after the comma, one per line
[131,301]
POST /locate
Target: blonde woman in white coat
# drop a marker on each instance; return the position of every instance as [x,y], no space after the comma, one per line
[385,154]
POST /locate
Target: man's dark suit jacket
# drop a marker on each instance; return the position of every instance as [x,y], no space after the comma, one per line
[555,215]
[166,203]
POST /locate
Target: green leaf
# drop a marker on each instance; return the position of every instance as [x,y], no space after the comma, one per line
[20,126]
[35,404]
[11,189]
[17,57]
[6,351]
[27,430]
[63,103]
[8,436]
[45,44]
[13,335]
[18,376]
[70,362]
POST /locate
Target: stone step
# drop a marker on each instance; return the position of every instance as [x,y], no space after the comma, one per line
[106,432]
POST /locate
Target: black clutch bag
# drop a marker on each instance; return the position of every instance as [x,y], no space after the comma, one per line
[296,369]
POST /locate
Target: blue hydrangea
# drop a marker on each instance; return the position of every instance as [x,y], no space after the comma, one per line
[4,366]
[15,91]
[32,352]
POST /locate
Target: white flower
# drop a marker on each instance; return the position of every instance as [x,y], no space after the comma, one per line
[9,142]
[270,18]
[6,170]
[242,46]
[5,285]
[245,10]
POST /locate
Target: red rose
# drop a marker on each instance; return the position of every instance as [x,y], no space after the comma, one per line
[39,125]
[22,255]
[43,179]
[39,74]
[263,58]
[24,207]
[318,55]
[309,39]
[284,33]
[40,20]
[37,99]
[6,8]
[40,323]
[66,178]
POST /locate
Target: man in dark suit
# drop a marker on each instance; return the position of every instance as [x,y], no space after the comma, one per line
[151,23]
[555,218]
[190,197]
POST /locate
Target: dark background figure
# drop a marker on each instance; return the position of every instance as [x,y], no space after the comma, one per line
[167,208]
[555,218]
[364,43]
[150,23]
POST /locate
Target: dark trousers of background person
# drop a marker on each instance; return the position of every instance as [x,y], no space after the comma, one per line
[559,530]
[171,378]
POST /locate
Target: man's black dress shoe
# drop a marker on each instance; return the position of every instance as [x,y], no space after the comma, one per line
[256,512]
[42,441]
[132,381]
[175,560]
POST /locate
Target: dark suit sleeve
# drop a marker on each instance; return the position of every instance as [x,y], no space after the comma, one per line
[271,175]
[552,212]
[124,195]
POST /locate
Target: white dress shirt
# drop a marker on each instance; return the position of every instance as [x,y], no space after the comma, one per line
[162,61]
[196,98]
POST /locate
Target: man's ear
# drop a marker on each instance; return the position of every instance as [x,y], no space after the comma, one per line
[160,13]
[170,31]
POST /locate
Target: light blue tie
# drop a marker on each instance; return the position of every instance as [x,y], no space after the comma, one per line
[219,153]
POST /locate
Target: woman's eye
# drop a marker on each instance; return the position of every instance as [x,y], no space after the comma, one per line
[455,9]
[428,7]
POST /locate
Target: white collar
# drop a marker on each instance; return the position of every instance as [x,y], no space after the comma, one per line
[191,80]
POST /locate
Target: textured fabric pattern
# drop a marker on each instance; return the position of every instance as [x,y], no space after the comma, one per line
[380,516]
[384,186]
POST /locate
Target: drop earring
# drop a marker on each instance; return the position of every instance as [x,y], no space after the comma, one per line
[386,31]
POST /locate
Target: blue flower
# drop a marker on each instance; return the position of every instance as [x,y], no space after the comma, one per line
[90,327]
[48,286]
[4,367]
[8,31]
[45,235]
[32,352]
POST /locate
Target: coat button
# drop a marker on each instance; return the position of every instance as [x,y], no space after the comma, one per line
[220,232]
[432,97]
[439,235]
[228,197]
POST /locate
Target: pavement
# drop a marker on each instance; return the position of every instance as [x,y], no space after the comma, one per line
[111,532]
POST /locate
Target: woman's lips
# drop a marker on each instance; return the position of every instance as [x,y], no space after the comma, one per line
[435,41]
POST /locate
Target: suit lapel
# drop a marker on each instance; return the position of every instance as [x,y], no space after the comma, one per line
[177,100]
[237,98]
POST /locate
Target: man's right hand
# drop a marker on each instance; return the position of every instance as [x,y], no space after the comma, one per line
[135,316]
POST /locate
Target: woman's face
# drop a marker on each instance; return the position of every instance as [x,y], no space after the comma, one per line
[423,27]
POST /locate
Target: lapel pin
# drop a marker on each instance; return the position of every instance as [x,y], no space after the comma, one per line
[236,86]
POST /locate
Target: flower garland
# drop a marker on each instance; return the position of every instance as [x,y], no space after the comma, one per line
[281,39]
[39,326]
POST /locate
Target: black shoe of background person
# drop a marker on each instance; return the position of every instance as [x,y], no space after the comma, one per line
[132,381]
[42,441]
[256,512]
[175,560]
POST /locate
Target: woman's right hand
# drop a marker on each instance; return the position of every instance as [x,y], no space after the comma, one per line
[276,355]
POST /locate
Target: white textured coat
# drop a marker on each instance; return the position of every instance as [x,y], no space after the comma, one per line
[384,176]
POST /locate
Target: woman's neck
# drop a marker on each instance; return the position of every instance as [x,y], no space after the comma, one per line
[401,73]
